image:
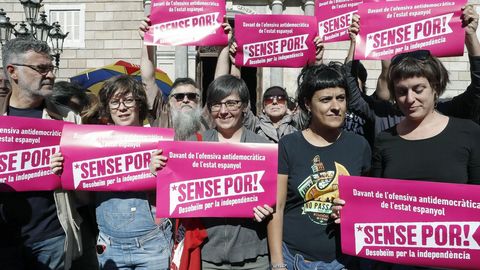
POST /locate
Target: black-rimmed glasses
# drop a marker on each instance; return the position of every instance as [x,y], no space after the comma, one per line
[231,105]
[420,55]
[181,96]
[42,69]
[127,103]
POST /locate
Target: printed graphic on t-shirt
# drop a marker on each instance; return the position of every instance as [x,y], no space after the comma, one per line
[319,189]
[354,123]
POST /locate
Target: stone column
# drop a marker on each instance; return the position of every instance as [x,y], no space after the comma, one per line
[276,74]
[147,4]
[181,52]
[276,6]
[147,7]
[181,61]
[309,7]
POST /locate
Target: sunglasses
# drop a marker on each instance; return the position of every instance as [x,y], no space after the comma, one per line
[420,55]
[181,96]
[270,99]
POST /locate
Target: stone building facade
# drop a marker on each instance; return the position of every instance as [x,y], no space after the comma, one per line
[104,31]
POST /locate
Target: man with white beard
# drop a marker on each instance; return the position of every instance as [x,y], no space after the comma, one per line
[186,112]
[182,111]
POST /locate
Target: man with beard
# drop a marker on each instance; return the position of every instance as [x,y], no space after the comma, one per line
[182,110]
[39,229]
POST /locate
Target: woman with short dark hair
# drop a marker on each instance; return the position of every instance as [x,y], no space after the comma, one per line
[239,243]
[426,145]
[418,64]
[302,234]
[123,86]
[416,80]
[126,220]
[232,241]
[128,236]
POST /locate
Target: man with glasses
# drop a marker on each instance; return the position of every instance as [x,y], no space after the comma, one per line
[181,111]
[43,222]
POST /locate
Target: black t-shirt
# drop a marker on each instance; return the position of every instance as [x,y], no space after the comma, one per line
[34,211]
[312,185]
[451,156]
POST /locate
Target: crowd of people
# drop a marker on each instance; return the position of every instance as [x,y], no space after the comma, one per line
[402,131]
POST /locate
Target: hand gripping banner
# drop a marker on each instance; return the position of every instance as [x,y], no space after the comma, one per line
[411,222]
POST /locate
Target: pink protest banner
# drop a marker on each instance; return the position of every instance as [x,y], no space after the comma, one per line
[187,22]
[334,18]
[275,40]
[394,27]
[411,222]
[369,1]
[109,158]
[26,145]
[211,179]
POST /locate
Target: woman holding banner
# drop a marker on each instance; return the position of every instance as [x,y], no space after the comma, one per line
[383,115]
[427,145]
[232,243]
[302,235]
[129,237]
[275,121]
[416,80]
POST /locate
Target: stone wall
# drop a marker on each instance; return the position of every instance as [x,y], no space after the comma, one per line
[111,35]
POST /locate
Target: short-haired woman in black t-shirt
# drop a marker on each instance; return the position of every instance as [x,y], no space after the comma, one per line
[439,148]
[427,145]
[302,234]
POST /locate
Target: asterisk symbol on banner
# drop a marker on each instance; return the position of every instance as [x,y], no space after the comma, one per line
[77,166]
[359,228]
[174,188]
[370,37]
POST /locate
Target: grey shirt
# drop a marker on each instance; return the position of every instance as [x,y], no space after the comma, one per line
[233,240]
[263,126]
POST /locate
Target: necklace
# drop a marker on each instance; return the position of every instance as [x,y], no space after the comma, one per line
[319,140]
